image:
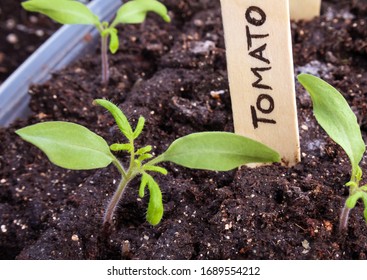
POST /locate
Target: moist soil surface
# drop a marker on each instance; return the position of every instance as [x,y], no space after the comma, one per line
[175,76]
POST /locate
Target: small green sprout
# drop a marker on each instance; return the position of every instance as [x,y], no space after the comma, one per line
[73,12]
[338,120]
[73,146]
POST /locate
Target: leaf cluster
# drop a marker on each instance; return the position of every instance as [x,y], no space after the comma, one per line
[335,116]
[74,12]
[73,146]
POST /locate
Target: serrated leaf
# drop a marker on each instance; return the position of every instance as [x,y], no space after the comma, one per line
[336,117]
[63,11]
[220,151]
[135,11]
[69,145]
[118,115]
[121,147]
[144,157]
[144,150]
[143,183]
[139,127]
[155,168]
[137,163]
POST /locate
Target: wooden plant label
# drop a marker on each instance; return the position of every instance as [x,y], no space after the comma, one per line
[304,9]
[260,73]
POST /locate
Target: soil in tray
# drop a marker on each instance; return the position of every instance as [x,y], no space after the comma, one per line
[175,76]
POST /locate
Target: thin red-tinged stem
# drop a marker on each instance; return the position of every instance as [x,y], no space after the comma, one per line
[344,216]
[104,58]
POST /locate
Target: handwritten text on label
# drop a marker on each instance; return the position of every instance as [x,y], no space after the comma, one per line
[256,17]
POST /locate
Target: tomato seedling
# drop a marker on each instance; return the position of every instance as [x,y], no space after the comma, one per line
[73,12]
[73,146]
[335,116]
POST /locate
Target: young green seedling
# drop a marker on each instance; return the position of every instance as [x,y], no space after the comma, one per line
[73,146]
[338,120]
[73,12]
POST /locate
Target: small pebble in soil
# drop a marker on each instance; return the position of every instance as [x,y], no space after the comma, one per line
[125,247]
[33,19]
[306,246]
[12,38]
[3,228]
[328,225]
[10,23]
[217,93]
[228,226]
[304,127]
[40,33]
[201,47]
[75,237]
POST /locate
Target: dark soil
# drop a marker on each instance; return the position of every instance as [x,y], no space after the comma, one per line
[160,72]
[21,33]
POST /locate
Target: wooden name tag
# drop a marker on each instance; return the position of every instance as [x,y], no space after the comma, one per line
[304,9]
[260,73]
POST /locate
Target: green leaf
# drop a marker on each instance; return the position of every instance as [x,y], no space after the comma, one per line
[121,147]
[143,183]
[118,115]
[69,145]
[144,150]
[135,11]
[155,205]
[144,157]
[63,11]
[364,198]
[114,40]
[139,127]
[220,151]
[352,200]
[155,168]
[336,117]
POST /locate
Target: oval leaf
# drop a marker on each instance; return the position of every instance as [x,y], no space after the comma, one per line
[135,11]
[220,151]
[63,11]
[155,206]
[336,117]
[69,145]
[114,41]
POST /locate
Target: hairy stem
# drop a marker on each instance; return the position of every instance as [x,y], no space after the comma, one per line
[126,177]
[112,205]
[104,58]
[344,216]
